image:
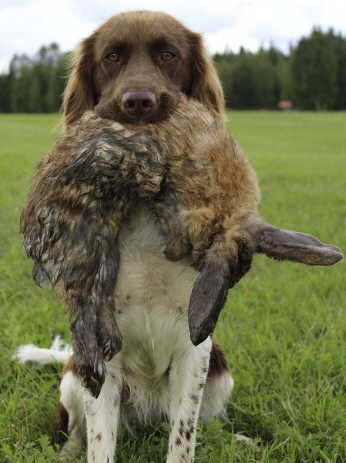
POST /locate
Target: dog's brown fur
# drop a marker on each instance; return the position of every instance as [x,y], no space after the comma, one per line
[152,54]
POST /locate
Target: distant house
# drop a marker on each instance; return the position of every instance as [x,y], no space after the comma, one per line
[285,105]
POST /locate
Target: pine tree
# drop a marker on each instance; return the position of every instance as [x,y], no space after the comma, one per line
[314,67]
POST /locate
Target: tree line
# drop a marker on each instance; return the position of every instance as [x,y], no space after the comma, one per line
[34,84]
[312,76]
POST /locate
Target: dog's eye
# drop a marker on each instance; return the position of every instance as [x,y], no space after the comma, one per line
[113,57]
[167,56]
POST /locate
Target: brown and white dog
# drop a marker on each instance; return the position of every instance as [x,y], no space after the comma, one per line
[134,67]
[158,373]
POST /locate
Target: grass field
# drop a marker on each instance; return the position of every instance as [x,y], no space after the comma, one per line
[284,327]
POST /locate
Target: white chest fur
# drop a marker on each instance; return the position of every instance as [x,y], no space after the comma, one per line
[151,299]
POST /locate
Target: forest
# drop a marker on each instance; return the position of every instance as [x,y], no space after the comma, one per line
[312,76]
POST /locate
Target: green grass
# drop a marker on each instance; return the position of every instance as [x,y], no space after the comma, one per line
[283,329]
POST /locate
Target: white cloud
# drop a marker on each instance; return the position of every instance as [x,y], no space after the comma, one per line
[265,22]
[231,38]
[30,25]
[26,25]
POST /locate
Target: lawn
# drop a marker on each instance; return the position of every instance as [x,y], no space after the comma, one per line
[283,329]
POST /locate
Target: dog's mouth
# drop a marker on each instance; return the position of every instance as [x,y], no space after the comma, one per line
[149,110]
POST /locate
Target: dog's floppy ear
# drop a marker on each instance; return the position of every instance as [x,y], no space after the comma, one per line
[205,85]
[294,246]
[80,93]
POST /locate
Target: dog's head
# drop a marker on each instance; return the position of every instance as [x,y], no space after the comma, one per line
[133,68]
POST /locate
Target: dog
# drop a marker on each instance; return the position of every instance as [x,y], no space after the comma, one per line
[130,56]
[158,372]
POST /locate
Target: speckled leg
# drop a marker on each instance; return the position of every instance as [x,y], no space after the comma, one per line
[188,374]
[102,416]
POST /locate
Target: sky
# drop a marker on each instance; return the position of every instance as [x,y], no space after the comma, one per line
[26,25]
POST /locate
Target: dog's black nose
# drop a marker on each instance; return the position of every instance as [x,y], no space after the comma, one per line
[138,102]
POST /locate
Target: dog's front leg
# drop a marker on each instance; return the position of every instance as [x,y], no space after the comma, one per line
[102,415]
[187,377]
